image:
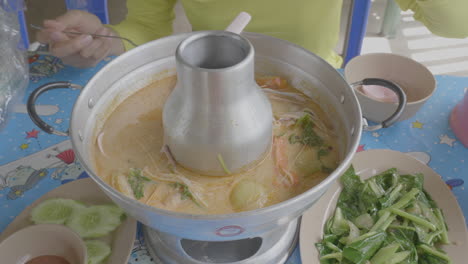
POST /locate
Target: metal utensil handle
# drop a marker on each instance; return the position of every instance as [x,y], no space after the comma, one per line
[31,106]
[90,34]
[401,101]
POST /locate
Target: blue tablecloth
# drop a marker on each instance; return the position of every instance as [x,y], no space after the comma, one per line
[33,162]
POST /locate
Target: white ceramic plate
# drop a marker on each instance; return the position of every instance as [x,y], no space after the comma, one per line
[367,164]
[86,191]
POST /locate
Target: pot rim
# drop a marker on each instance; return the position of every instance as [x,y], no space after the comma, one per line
[321,187]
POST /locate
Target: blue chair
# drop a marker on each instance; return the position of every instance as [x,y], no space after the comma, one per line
[356,30]
[97,7]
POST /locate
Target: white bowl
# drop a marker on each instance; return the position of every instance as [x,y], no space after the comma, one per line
[415,79]
[40,240]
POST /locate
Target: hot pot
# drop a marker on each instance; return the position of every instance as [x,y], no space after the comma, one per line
[137,68]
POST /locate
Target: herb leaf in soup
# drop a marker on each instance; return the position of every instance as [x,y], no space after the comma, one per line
[137,182]
[308,137]
[184,191]
[322,152]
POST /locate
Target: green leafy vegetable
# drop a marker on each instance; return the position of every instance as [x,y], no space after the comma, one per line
[386,219]
[364,221]
[340,225]
[184,192]
[322,152]
[430,253]
[293,139]
[137,182]
[385,254]
[364,248]
[415,219]
[308,136]
[442,226]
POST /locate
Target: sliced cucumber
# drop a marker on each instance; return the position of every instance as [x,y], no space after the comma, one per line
[97,251]
[55,211]
[114,210]
[96,221]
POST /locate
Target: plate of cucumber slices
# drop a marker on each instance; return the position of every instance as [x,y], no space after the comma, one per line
[387,208]
[109,234]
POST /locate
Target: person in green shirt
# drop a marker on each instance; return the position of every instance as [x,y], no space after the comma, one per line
[312,24]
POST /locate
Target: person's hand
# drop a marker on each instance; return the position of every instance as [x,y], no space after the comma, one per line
[79,50]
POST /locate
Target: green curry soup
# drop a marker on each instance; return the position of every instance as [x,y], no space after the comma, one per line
[130,155]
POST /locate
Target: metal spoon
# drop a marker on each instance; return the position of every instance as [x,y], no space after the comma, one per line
[90,34]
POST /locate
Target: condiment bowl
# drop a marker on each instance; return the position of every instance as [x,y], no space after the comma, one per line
[43,240]
[415,79]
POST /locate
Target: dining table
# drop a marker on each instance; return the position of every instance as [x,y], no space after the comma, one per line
[33,162]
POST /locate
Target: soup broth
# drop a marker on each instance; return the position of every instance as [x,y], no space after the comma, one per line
[129,154]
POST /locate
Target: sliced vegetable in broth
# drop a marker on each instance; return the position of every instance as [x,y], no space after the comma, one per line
[132,157]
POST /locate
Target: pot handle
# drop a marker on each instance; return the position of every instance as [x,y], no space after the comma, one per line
[401,101]
[31,106]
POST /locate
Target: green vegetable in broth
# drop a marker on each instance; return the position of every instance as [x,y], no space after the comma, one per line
[150,174]
[223,164]
[184,192]
[248,195]
[308,137]
[386,219]
[137,182]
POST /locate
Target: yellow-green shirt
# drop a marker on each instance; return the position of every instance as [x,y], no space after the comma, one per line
[312,24]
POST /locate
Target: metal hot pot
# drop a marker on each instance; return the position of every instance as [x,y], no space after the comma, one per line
[264,235]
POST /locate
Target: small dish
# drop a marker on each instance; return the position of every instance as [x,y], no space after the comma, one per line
[43,240]
[86,191]
[367,164]
[415,79]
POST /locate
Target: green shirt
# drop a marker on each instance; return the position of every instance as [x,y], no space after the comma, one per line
[312,24]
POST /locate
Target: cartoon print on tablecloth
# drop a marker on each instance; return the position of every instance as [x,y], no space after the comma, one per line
[445,139]
[453,183]
[140,254]
[34,134]
[70,170]
[29,135]
[24,174]
[33,58]
[20,180]
[417,124]
[23,178]
[361,148]
[24,146]
[42,67]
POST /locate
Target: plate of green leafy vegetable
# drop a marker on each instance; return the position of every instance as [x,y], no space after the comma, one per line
[387,208]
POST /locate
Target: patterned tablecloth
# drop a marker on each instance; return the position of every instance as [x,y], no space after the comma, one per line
[33,162]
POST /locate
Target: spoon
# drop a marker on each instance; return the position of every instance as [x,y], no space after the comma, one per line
[90,34]
[236,26]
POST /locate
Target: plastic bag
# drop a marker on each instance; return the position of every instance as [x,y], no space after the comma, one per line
[14,70]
